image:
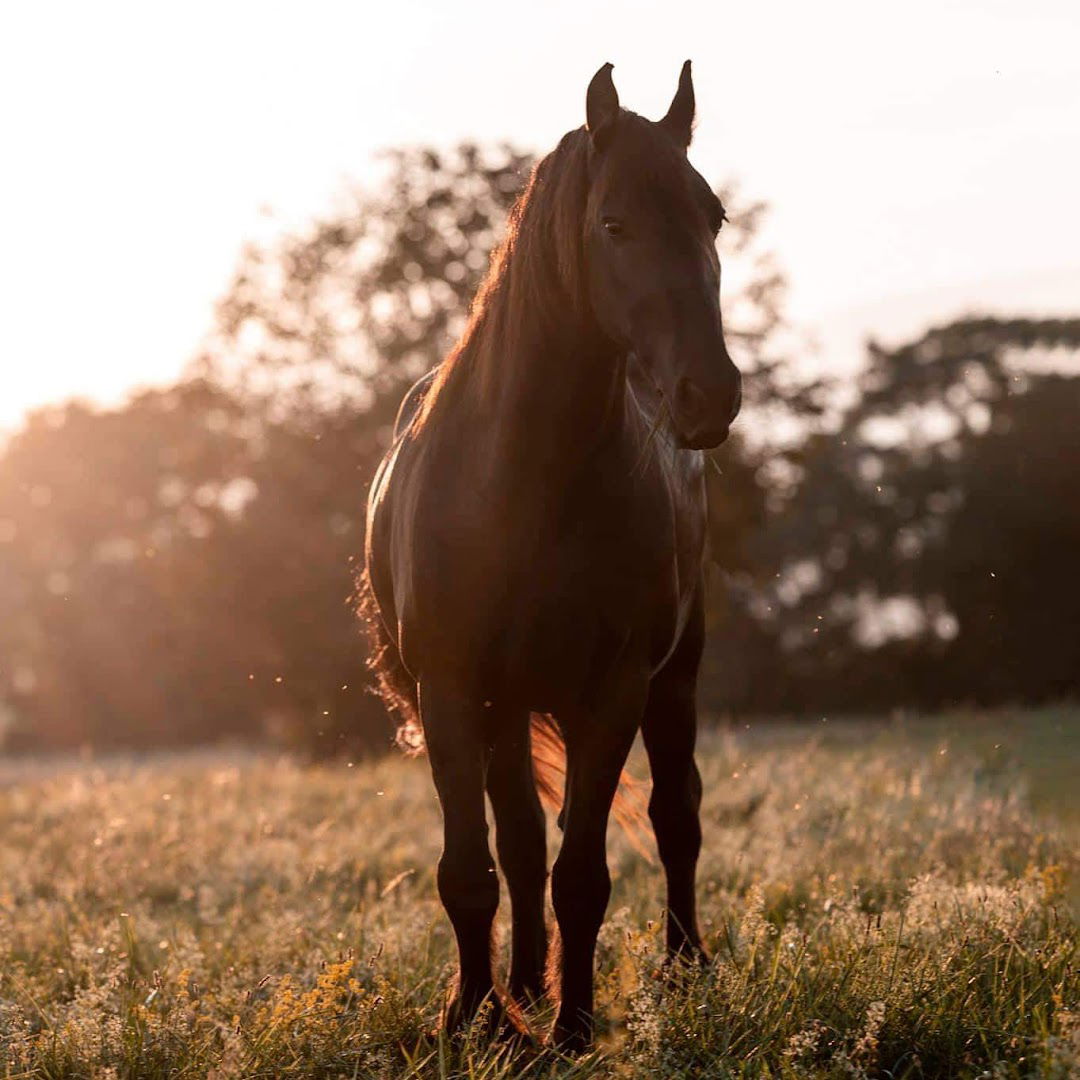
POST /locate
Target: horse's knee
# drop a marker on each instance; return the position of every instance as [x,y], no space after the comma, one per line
[468,887]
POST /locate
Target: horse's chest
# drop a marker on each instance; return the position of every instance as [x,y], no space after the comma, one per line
[545,615]
[562,618]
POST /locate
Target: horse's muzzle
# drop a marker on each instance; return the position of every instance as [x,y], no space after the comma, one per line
[703,440]
[703,420]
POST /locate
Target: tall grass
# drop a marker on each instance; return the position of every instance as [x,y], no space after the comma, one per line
[874,907]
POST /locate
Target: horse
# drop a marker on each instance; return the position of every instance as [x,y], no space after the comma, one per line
[535,547]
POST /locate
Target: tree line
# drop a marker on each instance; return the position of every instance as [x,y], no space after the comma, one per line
[178,569]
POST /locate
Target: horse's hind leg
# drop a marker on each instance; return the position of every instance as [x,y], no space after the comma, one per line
[522,846]
[468,885]
[669,729]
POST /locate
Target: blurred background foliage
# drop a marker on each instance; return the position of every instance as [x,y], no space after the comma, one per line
[178,569]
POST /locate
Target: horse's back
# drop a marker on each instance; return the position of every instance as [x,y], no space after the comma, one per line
[412,402]
[379,514]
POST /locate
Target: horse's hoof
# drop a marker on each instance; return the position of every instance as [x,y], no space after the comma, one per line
[457,1017]
[525,998]
[689,955]
[683,963]
[452,1019]
[516,1038]
[573,1038]
[490,1019]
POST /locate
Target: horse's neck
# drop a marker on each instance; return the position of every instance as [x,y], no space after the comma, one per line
[555,403]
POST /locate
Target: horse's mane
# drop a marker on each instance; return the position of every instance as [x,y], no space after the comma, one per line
[535,278]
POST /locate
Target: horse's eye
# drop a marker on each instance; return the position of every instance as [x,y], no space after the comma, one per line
[613,225]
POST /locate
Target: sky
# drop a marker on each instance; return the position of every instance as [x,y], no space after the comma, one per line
[921,159]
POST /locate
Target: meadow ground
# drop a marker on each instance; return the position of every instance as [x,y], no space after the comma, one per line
[881,899]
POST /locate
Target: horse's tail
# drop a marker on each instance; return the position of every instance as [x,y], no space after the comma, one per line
[394,684]
[549,770]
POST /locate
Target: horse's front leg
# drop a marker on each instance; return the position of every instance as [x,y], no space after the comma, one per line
[669,729]
[597,745]
[468,884]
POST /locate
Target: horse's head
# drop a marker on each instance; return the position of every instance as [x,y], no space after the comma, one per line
[651,223]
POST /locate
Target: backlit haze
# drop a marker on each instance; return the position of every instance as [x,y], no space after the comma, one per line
[921,160]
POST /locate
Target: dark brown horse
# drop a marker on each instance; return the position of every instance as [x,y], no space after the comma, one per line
[535,541]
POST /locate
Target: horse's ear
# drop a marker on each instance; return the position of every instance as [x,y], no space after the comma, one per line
[601,106]
[679,121]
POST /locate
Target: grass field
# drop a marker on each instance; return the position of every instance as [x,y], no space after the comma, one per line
[881,899]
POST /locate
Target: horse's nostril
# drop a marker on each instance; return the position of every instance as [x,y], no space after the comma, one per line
[691,404]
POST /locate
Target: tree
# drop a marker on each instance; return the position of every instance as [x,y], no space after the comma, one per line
[104,517]
[349,312]
[926,557]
